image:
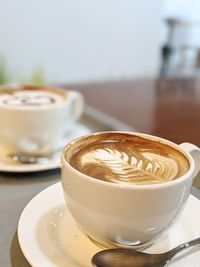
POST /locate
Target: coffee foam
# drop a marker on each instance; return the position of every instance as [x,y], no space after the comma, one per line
[123,158]
[29,98]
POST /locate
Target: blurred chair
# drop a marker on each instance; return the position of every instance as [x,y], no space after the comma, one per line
[181,51]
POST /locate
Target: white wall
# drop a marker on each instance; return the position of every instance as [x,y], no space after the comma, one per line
[187,9]
[81,40]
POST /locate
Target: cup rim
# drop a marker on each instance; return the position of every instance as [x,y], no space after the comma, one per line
[64,91]
[167,184]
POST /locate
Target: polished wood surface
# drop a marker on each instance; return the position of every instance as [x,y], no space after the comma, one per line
[168,108]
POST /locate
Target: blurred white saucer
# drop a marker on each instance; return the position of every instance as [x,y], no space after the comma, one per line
[7,165]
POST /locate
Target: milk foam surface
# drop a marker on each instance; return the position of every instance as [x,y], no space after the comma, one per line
[29,98]
[123,158]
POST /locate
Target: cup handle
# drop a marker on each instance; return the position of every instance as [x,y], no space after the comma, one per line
[195,153]
[77,104]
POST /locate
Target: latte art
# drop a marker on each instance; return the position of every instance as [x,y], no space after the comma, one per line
[26,98]
[141,168]
[129,159]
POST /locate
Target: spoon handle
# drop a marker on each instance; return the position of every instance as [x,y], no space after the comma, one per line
[185,245]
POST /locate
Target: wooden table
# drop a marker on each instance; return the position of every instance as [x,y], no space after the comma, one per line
[168,108]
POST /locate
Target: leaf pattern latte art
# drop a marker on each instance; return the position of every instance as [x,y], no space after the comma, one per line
[139,168]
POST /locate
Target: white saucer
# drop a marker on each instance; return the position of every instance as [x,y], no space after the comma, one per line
[49,237]
[46,163]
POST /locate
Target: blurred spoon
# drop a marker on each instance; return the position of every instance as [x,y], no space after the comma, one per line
[28,159]
[122,257]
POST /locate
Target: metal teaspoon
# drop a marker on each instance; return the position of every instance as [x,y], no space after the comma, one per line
[122,257]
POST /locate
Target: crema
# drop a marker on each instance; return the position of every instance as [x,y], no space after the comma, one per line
[127,159]
[25,98]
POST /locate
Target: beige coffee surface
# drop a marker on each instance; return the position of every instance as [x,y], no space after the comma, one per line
[125,158]
[29,97]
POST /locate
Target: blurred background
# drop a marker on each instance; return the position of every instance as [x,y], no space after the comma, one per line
[76,41]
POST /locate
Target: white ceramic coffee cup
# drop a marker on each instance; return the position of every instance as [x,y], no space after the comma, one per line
[32,130]
[127,215]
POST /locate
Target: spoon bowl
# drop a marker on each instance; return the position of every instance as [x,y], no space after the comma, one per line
[122,257]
